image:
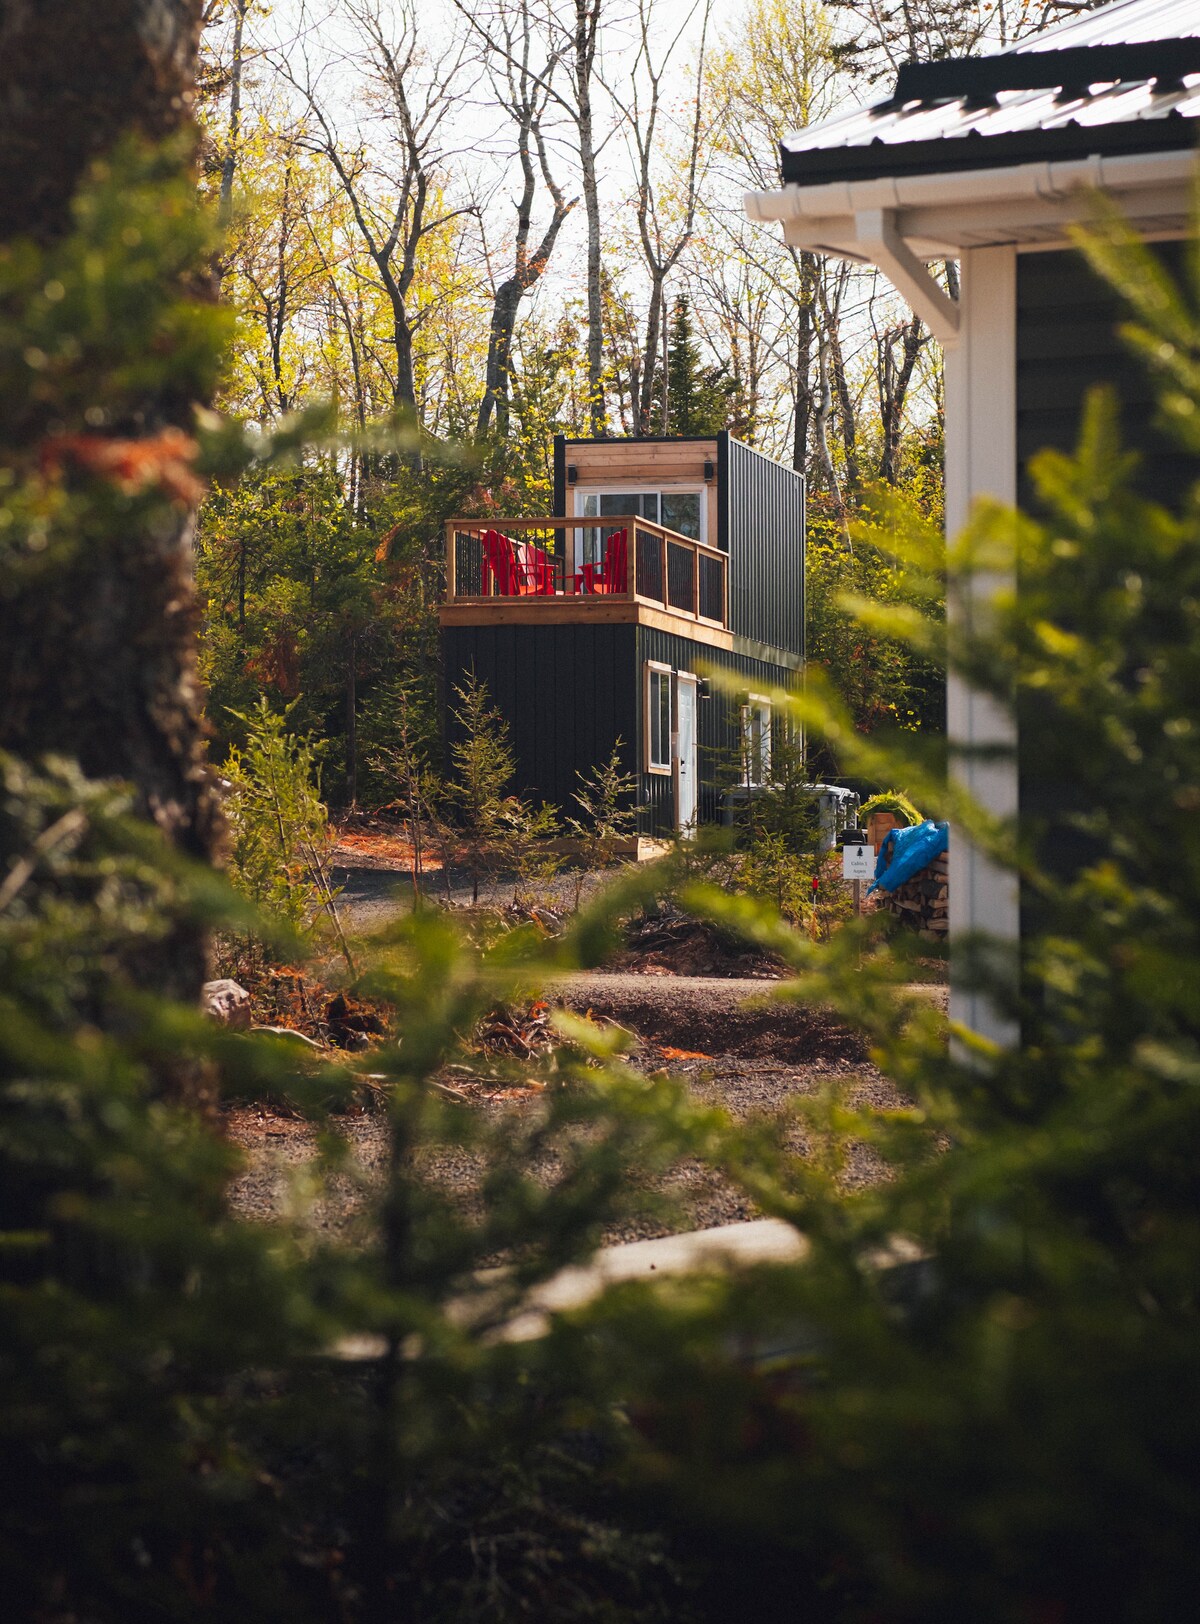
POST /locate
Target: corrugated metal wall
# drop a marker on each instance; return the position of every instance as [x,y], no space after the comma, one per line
[719,729]
[762,530]
[567,692]
[1066,343]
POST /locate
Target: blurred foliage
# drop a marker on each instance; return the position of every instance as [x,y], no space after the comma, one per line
[893,556]
[974,1397]
[281,844]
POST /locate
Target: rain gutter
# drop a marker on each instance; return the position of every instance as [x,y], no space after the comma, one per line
[876,220]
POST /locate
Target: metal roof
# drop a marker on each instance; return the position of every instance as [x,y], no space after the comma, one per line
[1123,79]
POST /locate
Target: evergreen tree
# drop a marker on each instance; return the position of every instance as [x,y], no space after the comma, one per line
[701,400]
[483,768]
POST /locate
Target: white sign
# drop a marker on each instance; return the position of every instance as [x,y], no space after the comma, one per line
[858,862]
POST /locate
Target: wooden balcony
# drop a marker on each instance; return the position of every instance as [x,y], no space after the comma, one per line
[525,571]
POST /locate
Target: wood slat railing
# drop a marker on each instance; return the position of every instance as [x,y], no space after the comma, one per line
[663,570]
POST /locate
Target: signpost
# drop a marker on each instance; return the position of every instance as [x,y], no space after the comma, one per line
[858,864]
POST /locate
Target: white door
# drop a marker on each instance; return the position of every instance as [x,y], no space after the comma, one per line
[687,780]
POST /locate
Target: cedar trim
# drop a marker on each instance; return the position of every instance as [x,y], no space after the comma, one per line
[581,611]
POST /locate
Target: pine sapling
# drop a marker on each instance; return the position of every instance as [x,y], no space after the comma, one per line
[606,798]
[484,766]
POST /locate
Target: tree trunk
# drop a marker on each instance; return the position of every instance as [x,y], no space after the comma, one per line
[846,412]
[804,342]
[229,162]
[352,722]
[98,656]
[73,77]
[499,359]
[586,24]
[894,381]
[654,328]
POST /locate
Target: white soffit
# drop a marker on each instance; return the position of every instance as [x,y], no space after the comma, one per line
[938,216]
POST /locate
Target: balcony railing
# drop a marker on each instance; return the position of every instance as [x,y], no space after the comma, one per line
[494,561]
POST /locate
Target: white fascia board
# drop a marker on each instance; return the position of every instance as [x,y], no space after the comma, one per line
[939,215]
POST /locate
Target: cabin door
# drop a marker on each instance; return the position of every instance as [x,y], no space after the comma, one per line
[687,778]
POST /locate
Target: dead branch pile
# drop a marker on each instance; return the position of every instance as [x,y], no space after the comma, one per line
[519,1033]
[675,943]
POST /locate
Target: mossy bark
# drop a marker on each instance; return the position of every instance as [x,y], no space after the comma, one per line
[98,660]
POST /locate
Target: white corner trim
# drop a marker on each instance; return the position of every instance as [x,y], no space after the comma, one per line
[981,460]
[875,230]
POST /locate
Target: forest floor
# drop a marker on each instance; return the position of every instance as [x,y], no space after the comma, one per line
[695,1004]
[730,1043]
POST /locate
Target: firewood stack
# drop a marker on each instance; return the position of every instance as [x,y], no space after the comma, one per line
[922,903]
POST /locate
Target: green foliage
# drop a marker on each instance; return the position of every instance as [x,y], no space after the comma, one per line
[894,560]
[103,338]
[180,1442]
[281,846]
[607,799]
[779,831]
[894,801]
[89,324]
[530,833]
[983,1367]
[701,400]
[483,767]
[130,1306]
[1002,1342]
[405,766]
[314,603]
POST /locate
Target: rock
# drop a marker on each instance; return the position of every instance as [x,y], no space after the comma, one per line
[227,1003]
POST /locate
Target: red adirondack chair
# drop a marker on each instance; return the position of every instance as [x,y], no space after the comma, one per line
[535,569]
[613,574]
[499,564]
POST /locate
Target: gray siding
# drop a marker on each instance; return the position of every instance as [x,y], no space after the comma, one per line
[1067,343]
[719,729]
[567,693]
[762,530]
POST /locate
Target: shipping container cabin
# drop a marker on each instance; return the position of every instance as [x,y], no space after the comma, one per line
[665,560]
[988,162]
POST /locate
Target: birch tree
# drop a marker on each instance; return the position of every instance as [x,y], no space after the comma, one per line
[525,91]
[664,232]
[393,183]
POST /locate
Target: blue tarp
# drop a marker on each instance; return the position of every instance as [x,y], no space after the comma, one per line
[909,851]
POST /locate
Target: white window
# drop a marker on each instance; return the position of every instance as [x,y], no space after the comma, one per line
[658,718]
[756,741]
[680,510]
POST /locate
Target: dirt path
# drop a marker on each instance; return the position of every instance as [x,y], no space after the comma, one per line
[720,1015]
[753,1058]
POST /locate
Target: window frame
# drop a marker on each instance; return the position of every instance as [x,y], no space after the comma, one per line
[756,759]
[653,669]
[671,488]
